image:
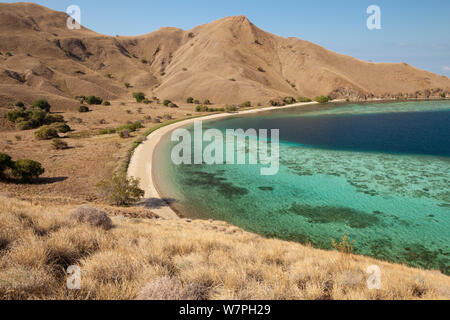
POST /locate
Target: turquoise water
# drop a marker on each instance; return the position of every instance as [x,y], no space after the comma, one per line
[378,173]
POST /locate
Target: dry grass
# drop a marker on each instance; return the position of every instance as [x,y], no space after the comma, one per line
[176,259]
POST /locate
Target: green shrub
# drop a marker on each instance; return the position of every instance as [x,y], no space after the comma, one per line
[303,99]
[172,105]
[107,131]
[42,104]
[289,100]
[27,169]
[229,108]
[443,95]
[190,100]
[25,125]
[19,104]
[127,85]
[46,133]
[52,118]
[167,102]
[5,163]
[144,61]
[139,96]
[132,127]
[15,114]
[323,99]
[94,100]
[206,102]
[59,144]
[120,190]
[106,103]
[61,127]
[83,109]
[246,104]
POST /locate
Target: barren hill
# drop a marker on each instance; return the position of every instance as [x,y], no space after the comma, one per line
[227,61]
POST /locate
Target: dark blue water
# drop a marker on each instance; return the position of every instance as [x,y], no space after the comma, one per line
[426,133]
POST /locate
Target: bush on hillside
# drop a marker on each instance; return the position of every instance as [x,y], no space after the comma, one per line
[46,133]
[124,134]
[42,104]
[127,85]
[27,169]
[120,190]
[190,100]
[19,104]
[5,163]
[303,99]
[289,100]
[246,104]
[83,109]
[323,99]
[206,102]
[94,100]
[59,144]
[139,96]
[132,127]
[91,216]
[166,102]
[61,127]
[106,103]
[229,108]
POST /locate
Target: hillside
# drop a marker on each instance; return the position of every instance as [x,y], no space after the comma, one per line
[178,259]
[226,61]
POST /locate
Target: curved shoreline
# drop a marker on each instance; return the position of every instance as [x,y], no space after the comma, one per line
[141,163]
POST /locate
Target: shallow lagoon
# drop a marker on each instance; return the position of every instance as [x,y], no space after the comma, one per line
[378,173]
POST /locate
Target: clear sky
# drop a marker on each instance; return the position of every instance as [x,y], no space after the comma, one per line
[415,31]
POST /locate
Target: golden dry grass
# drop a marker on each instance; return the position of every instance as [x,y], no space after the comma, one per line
[177,259]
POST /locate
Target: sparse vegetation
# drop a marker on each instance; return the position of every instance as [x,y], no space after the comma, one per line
[120,190]
[131,127]
[127,85]
[144,61]
[92,216]
[190,100]
[260,69]
[46,133]
[145,259]
[139,96]
[203,108]
[207,102]
[106,103]
[166,102]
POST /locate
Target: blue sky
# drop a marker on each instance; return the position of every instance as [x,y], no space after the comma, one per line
[415,32]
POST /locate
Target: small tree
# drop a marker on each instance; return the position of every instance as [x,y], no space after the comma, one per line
[120,190]
[167,102]
[139,96]
[190,100]
[42,104]
[27,169]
